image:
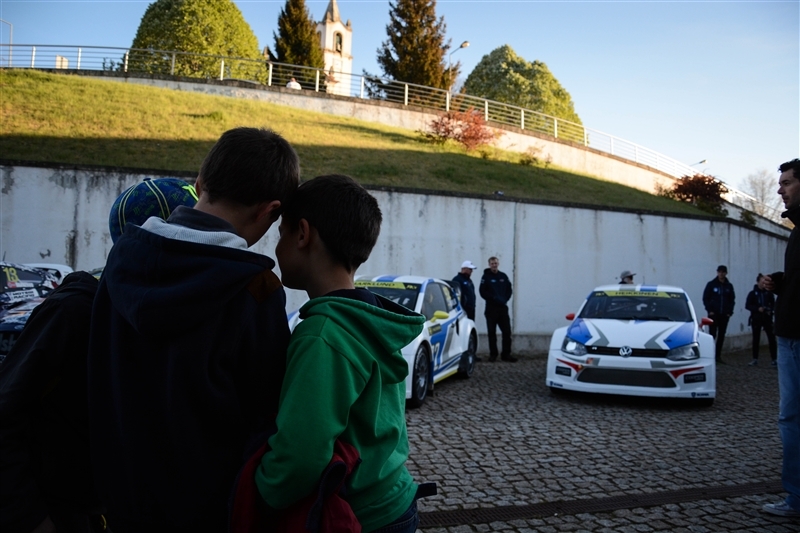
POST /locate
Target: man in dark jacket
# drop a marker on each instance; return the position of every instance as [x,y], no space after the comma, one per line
[786,285]
[45,470]
[188,347]
[496,289]
[718,299]
[467,288]
[761,304]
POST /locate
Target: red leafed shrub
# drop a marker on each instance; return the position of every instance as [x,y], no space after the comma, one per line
[702,190]
[465,127]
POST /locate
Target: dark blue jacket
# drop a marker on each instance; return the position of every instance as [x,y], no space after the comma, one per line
[718,297]
[758,298]
[495,288]
[186,362]
[468,299]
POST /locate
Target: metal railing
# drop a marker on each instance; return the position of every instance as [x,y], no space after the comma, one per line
[260,72]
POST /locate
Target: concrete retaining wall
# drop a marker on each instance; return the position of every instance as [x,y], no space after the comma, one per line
[554,254]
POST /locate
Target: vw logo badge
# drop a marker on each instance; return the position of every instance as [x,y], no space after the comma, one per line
[626,351]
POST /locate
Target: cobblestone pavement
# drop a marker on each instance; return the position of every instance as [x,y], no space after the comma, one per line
[502,438]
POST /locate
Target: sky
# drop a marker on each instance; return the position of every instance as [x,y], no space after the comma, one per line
[694,80]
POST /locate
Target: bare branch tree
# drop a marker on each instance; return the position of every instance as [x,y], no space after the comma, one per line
[763,186]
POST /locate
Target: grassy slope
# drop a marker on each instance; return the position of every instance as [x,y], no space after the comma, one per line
[68,119]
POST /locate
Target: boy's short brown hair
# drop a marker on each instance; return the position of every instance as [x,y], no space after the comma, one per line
[346,216]
[250,165]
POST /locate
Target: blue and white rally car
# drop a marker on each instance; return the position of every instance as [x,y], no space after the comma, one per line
[638,340]
[449,340]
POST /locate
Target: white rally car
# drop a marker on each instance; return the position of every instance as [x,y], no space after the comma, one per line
[638,340]
[449,340]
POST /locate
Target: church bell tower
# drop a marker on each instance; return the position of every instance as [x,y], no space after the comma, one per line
[336,41]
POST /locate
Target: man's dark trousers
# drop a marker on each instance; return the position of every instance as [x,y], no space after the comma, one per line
[766,324]
[717,330]
[497,315]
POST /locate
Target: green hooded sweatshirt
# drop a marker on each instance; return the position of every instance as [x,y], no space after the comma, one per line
[345,379]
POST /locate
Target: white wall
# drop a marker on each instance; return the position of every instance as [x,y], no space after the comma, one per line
[554,255]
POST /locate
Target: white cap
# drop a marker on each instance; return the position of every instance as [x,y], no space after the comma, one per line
[468,264]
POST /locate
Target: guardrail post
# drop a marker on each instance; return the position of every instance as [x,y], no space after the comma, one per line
[362,87]
[635,154]
[611,140]
[316,86]
[125,67]
[405,96]
[222,69]
[269,77]
[585,138]
[78,67]
[486,110]
[33,55]
[447,102]
[555,128]
[522,119]
[172,66]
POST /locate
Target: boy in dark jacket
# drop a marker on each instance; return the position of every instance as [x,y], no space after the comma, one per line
[45,473]
[188,347]
[761,304]
[345,375]
[718,299]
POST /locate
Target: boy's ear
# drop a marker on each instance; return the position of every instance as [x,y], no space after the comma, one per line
[304,236]
[268,211]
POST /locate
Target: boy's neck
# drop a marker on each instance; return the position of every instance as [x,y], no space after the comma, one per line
[334,279]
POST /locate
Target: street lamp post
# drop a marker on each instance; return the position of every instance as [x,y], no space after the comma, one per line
[450,65]
[10,39]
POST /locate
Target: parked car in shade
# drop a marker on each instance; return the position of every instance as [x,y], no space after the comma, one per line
[448,342]
[638,340]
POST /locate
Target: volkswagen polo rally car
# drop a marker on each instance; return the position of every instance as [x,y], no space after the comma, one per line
[637,340]
[448,342]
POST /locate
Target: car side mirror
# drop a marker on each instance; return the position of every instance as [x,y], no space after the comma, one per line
[705,321]
[570,316]
[440,315]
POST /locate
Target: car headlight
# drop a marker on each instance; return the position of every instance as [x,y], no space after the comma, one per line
[573,347]
[684,353]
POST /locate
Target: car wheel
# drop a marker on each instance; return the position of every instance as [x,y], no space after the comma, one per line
[419,383]
[704,402]
[467,364]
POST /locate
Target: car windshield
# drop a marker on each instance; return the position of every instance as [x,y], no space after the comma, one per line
[404,294]
[637,305]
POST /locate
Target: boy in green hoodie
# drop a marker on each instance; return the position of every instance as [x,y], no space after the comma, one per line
[345,376]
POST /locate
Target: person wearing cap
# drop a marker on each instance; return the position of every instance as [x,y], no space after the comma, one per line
[496,289]
[467,288]
[626,278]
[718,299]
[45,472]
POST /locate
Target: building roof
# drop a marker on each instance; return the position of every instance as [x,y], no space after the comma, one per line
[332,13]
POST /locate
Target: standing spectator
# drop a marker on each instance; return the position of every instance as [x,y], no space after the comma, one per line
[718,299]
[761,304]
[45,471]
[496,289]
[786,285]
[467,288]
[626,278]
[188,346]
[293,84]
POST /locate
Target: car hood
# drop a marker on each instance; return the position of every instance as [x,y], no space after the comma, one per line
[646,334]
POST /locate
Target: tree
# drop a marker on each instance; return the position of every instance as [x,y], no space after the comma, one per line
[297,42]
[505,77]
[763,185]
[211,27]
[415,50]
[465,127]
[702,190]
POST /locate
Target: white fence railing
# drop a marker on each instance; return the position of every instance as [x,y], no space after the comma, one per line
[263,73]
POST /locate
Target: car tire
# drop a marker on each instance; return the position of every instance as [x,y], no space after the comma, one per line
[704,402]
[467,364]
[419,379]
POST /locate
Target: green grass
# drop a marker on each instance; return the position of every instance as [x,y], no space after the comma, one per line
[73,120]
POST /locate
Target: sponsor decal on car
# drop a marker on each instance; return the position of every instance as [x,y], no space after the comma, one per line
[387,285]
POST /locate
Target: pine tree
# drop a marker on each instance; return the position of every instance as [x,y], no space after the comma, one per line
[208,27]
[415,50]
[297,42]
